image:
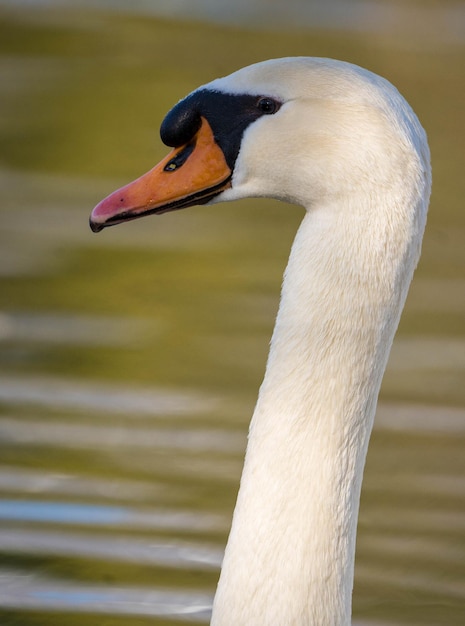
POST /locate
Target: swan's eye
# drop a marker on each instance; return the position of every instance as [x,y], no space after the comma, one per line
[268,106]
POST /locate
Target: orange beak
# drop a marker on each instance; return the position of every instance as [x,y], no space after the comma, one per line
[191,174]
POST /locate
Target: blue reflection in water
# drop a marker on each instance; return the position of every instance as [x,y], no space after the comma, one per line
[102,515]
[65,513]
[74,598]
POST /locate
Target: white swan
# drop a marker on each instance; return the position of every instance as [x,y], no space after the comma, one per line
[344,144]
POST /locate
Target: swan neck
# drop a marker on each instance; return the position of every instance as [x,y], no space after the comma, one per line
[290,554]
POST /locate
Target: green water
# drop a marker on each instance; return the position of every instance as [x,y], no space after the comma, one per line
[130,361]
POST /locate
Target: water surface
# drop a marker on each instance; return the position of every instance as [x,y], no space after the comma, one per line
[129,362]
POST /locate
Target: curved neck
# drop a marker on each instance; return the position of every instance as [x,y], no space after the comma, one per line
[290,554]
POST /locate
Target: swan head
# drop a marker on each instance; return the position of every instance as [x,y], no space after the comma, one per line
[302,130]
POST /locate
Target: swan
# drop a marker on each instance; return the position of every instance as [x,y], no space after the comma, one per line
[343,143]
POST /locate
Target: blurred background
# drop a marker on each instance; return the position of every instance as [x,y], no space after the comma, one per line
[130,361]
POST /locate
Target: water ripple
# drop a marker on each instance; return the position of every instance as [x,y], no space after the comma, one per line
[21,480]
[26,592]
[111,436]
[103,515]
[52,392]
[169,553]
